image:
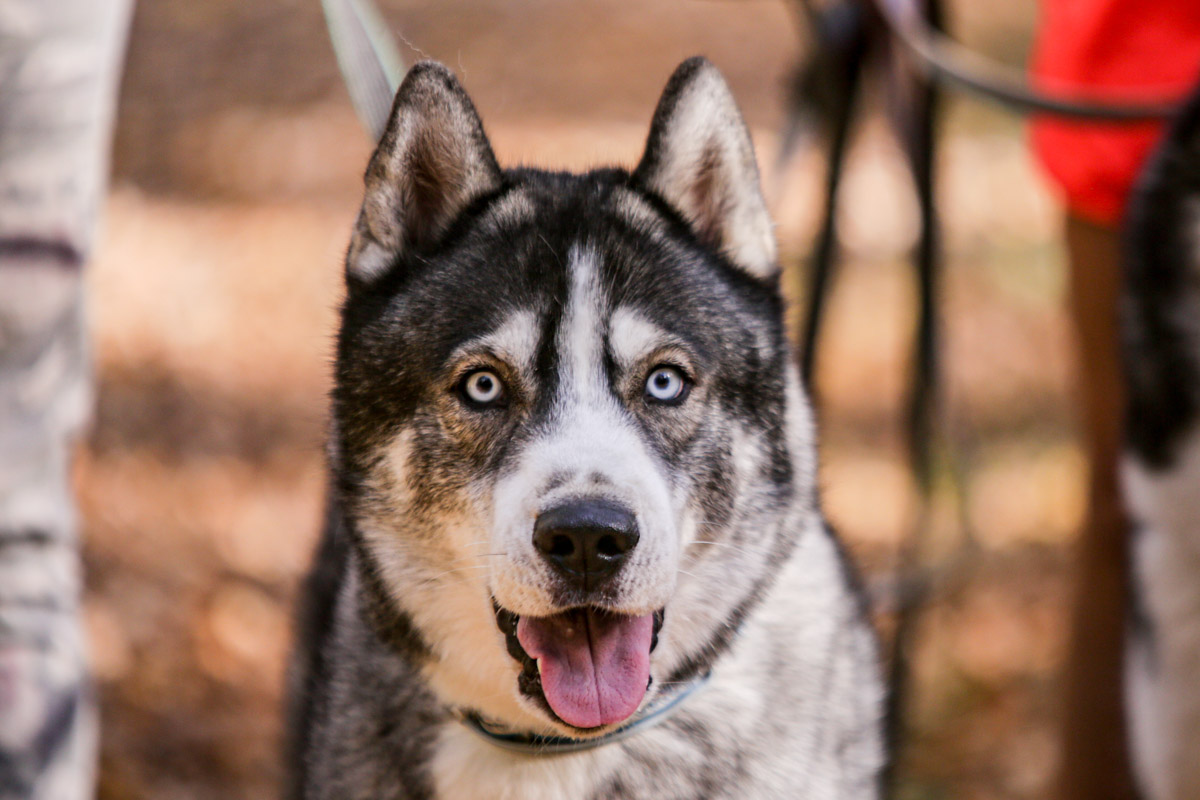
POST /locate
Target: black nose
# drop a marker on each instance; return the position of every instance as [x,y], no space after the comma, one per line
[586,540]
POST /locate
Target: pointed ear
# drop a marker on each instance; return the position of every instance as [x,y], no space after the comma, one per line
[699,158]
[432,161]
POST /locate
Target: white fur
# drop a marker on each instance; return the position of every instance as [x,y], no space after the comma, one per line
[590,440]
[467,768]
[1163,671]
[369,259]
[1164,684]
[633,338]
[515,341]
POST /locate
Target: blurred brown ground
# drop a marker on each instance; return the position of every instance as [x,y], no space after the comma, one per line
[213,304]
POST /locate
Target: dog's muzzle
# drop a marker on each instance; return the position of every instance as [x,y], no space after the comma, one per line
[589,662]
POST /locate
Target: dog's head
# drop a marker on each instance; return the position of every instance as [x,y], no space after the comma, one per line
[565,406]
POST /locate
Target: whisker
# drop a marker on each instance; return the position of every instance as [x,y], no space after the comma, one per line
[436,578]
[458,569]
[748,549]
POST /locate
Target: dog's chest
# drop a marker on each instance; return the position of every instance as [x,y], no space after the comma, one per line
[464,767]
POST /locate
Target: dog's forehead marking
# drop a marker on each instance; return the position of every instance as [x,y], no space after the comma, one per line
[514,340]
[631,335]
[580,337]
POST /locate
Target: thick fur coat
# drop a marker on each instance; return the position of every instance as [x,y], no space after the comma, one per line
[517,346]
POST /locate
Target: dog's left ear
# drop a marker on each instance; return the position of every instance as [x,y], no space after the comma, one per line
[699,158]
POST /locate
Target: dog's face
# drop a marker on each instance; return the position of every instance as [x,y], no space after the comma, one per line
[565,408]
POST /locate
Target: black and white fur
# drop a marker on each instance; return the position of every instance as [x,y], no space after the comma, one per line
[1161,324]
[571,288]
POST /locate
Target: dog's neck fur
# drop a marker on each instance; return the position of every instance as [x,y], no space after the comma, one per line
[791,710]
[531,744]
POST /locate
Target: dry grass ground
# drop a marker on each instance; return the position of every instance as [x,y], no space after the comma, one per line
[213,302]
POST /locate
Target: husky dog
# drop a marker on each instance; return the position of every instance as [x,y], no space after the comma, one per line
[574,548]
[1161,323]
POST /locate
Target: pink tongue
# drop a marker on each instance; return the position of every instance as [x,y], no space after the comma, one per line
[595,665]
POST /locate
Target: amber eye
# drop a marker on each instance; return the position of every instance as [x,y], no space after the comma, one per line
[666,385]
[483,388]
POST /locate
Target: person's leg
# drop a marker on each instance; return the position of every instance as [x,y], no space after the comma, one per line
[59,64]
[1095,762]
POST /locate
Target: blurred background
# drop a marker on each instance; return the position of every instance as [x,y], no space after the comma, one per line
[213,300]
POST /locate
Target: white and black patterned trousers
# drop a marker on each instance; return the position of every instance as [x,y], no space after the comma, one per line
[59,67]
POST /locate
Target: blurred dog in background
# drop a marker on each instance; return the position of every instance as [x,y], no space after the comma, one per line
[1161,324]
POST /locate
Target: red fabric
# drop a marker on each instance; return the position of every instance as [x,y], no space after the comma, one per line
[1144,49]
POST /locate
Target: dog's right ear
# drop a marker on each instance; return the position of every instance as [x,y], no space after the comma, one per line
[433,160]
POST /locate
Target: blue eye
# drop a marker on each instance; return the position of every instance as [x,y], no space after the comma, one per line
[666,385]
[483,388]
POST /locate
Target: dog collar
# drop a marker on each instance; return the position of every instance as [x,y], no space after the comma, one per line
[656,712]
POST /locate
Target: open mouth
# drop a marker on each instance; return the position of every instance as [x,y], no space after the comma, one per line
[588,665]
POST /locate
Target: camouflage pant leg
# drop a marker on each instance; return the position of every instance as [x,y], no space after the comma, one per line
[59,62]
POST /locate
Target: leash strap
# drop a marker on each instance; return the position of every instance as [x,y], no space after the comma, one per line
[657,712]
[367,57]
